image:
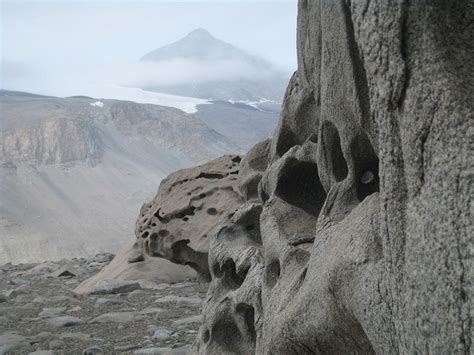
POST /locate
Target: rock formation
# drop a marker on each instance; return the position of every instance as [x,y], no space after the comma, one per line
[177,223]
[131,265]
[355,232]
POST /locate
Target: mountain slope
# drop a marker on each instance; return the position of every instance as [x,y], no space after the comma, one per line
[74,171]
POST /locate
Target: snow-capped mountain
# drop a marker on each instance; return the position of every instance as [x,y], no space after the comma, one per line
[217,71]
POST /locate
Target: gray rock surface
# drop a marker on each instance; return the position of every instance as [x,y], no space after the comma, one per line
[177,223]
[355,234]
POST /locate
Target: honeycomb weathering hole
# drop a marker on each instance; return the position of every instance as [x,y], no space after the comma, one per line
[272,273]
[286,141]
[163,233]
[299,185]
[229,275]
[211,211]
[206,336]
[366,167]
[248,314]
[226,333]
[331,143]
[210,176]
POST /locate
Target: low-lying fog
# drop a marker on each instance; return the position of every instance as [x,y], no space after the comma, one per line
[68,48]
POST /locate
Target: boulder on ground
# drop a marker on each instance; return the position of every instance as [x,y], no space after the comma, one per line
[147,273]
[177,223]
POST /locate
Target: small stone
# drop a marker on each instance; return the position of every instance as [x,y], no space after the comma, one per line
[103,258]
[126,348]
[22,299]
[64,272]
[10,341]
[167,299]
[72,282]
[105,302]
[161,334]
[113,286]
[189,302]
[367,177]
[189,320]
[42,352]
[136,294]
[156,351]
[164,351]
[41,269]
[39,300]
[43,335]
[74,309]
[136,256]
[116,317]
[18,281]
[92,350]
[56,344]
[51,312]
[64,321]
[20,290]
[3,298]
[57,299]
[76,335]
[183,284]
[148,311]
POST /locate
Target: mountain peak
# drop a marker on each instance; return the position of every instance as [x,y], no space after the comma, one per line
[200,33]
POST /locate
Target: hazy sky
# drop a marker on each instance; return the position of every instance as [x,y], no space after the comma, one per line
[46,46]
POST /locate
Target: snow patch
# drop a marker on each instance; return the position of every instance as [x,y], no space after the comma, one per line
[97,104]
[115,92]
[254,104]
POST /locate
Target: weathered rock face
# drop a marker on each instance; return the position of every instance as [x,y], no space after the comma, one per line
[354,234]
[177,224]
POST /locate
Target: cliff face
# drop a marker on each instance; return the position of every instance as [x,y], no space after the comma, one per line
[355,233]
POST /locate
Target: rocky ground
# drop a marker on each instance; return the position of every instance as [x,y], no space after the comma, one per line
[40,313]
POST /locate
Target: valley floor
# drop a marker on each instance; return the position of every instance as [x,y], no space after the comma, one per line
[39,312]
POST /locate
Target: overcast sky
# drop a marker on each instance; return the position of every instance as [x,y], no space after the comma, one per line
[50,44]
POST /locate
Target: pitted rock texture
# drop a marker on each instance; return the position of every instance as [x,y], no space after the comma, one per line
[177,223]
[355,232]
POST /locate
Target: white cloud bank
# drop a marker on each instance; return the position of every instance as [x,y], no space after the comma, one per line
[184,71]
